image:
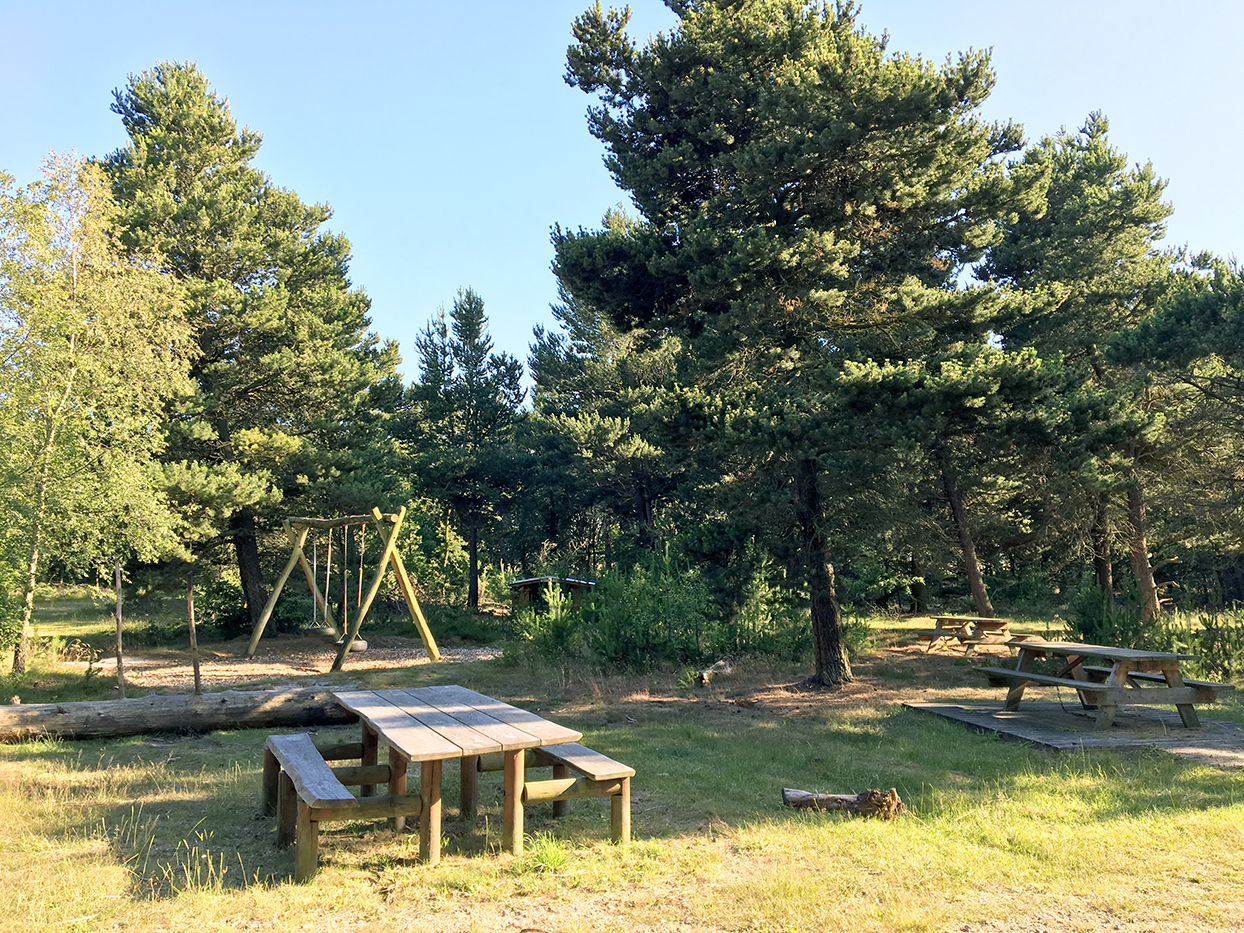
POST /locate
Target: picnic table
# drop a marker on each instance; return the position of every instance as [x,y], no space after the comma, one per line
[1128,676]
[432,725]
[970,631]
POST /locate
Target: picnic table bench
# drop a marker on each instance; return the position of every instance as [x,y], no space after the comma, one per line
[1134,676]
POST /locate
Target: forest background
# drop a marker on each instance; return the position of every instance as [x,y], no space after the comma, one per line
[849,342]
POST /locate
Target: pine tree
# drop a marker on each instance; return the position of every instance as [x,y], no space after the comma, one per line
[804,195]
[289,380]
[460,423]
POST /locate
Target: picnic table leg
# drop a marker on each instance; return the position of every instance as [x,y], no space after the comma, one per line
[1107,709]
[468,794]
[271,773]
[1187,712]
[430,818]
[398,763]
[561,807]
[512,813]
[371,756]
[1026,660]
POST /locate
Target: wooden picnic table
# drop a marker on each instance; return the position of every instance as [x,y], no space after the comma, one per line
[1130,676]
[970,631]
[432,725]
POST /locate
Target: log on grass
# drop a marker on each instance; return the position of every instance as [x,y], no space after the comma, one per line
[869,803]
[230,709]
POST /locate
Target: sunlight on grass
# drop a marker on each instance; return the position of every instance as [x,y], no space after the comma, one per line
[163,832]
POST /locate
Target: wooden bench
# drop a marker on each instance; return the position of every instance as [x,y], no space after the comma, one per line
[1097,693]
[1141,677]
[1004,676]
[597,776]
[303,791]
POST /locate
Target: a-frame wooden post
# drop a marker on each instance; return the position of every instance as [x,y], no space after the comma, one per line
[296,558]
[388,526]
[390,556]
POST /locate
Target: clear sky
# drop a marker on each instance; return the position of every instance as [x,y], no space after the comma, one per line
[444,138]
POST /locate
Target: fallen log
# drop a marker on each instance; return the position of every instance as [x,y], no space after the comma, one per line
[869,803]
[230,709]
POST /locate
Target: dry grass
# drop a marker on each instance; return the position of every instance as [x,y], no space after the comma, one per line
[161,833]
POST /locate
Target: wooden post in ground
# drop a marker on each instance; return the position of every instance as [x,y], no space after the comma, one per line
[116,579]
[194,637]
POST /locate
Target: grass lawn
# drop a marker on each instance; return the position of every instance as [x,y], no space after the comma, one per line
[162,832]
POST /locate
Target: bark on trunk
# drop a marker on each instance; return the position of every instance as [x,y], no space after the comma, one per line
[246,546]
[919,597]
[976,582]
[1138,552]
[832,664]
[1103,568]
[177,713]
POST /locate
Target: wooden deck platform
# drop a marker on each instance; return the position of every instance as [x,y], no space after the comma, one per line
[1064,727]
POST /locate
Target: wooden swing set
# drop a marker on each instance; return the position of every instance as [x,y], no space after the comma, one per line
[388,526]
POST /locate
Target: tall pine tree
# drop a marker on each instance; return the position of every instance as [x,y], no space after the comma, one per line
[288,376]
[803,193]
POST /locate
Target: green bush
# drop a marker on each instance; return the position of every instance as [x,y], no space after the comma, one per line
[649,617]
[769,621]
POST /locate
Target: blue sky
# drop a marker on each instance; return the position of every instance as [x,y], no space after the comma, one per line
[447,143]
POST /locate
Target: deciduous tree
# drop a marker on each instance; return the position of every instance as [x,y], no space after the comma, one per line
[94,346]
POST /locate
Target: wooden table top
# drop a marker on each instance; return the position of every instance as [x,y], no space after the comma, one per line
[1066,648]
[433,723]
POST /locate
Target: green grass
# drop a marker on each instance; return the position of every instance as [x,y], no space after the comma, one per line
[161,833]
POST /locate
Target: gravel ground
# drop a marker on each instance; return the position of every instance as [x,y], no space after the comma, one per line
[297,661]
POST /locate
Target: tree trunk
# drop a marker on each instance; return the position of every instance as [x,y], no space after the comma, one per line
[473,564]
[1138,553]
[832,664]
[21,653]
[976,582]
[919,597]
[1103,568]
[246,545]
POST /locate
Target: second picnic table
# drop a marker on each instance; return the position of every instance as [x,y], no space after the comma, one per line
[969,630]
[1135,676]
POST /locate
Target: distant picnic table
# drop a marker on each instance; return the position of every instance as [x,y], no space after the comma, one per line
[969,631]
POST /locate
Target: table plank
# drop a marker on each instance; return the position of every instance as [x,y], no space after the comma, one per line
[453,727]
[548,733]
[1102,651]
[418,742]
[507,737]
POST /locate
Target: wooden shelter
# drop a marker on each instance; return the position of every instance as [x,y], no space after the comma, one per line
[388,526]
[531,591]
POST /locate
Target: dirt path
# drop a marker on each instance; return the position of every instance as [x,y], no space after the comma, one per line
[290,661]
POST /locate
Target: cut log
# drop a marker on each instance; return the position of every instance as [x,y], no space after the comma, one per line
[231,709]
[869,803]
